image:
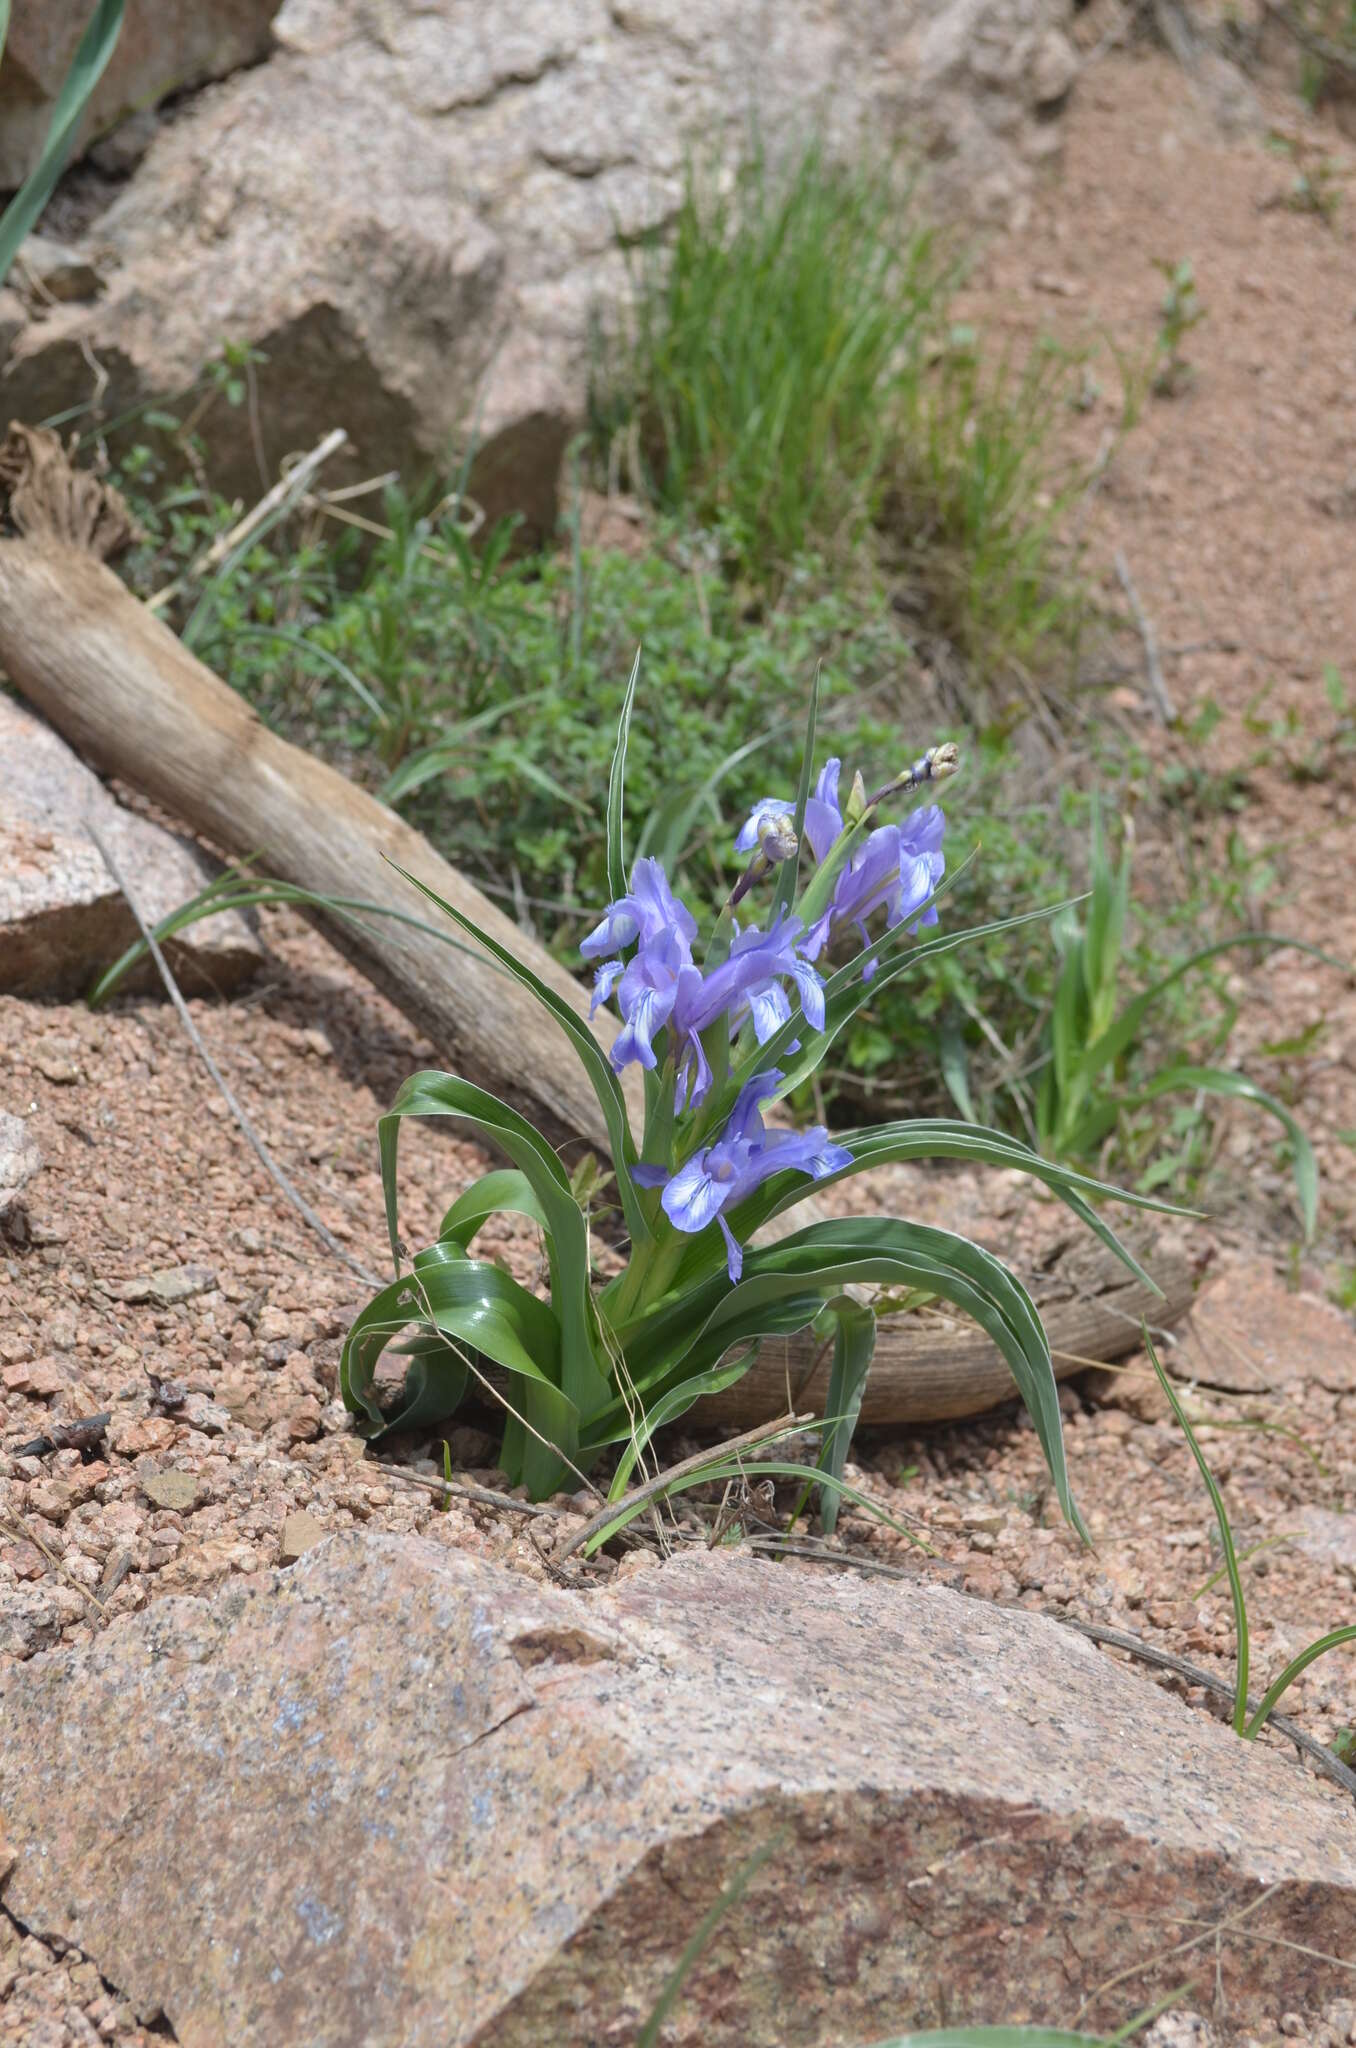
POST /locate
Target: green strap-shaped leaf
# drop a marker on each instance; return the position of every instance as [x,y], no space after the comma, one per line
[595,1062]
[854,1346]
[658,1413]
[944,1138]
[785,1285]
[433,1094]
[465,1299]
[1220,1081]
[506,1188]
[616,848]
[86,69]
[1114,1040]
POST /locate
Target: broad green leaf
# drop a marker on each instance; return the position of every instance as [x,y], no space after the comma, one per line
[941,1138]
[594,1060]
[786,1284]
[433,1094]
[506,1188]
[86,69]
[465,1299]
[616,849]
[1220,1081]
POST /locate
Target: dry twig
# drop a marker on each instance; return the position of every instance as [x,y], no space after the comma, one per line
[655,1489]
[265,1158]
[291,485]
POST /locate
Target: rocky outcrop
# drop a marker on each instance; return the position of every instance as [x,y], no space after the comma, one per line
[164,47]
[62,917]
[399,1795]
[411,210]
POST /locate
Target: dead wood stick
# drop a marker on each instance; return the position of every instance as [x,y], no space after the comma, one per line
[119,685]
[291,485]
[655,1489]
[255,1142]
[1164,1660]
[1158,689]
[463,1490]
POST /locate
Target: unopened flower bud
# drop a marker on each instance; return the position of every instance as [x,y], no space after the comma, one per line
[777,839]
[855,807]
[942,761]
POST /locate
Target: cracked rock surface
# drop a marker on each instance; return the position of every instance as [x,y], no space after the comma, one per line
[402,1795]
[411,208]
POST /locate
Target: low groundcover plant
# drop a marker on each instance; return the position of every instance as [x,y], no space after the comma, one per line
[721,1034]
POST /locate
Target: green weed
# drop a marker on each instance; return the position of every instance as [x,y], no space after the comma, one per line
[789,376]
[1180,311]
[773,331]
[1248,1720]
[87,67]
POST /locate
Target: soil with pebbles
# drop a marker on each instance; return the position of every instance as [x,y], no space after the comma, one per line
[156,1274]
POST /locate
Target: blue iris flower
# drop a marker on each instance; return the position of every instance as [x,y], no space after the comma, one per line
[650,909]
[896,868]
[764,812]
[662,985]
[744,1155]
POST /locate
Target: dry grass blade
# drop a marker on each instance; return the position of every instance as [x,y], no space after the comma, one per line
[655,1489]
[256,1143]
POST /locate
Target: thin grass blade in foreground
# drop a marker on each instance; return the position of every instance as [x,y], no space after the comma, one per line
[1226,1538]
[88,64]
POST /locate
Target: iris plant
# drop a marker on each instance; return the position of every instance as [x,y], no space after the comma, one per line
[830,902]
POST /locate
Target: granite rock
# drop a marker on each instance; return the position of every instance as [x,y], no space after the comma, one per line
[164,47]
[397,1794]
[412,211]
[62,917]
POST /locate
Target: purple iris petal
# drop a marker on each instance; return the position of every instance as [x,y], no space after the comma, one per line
[649,909]
[607,974]
[766,808]
[896,870]
[745,1155]
[823,816]
[648,991]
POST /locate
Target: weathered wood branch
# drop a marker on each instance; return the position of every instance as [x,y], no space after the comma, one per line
[125,692]
[937,1367]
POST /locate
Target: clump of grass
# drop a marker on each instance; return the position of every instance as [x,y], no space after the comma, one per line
[774,330]
[790,376]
